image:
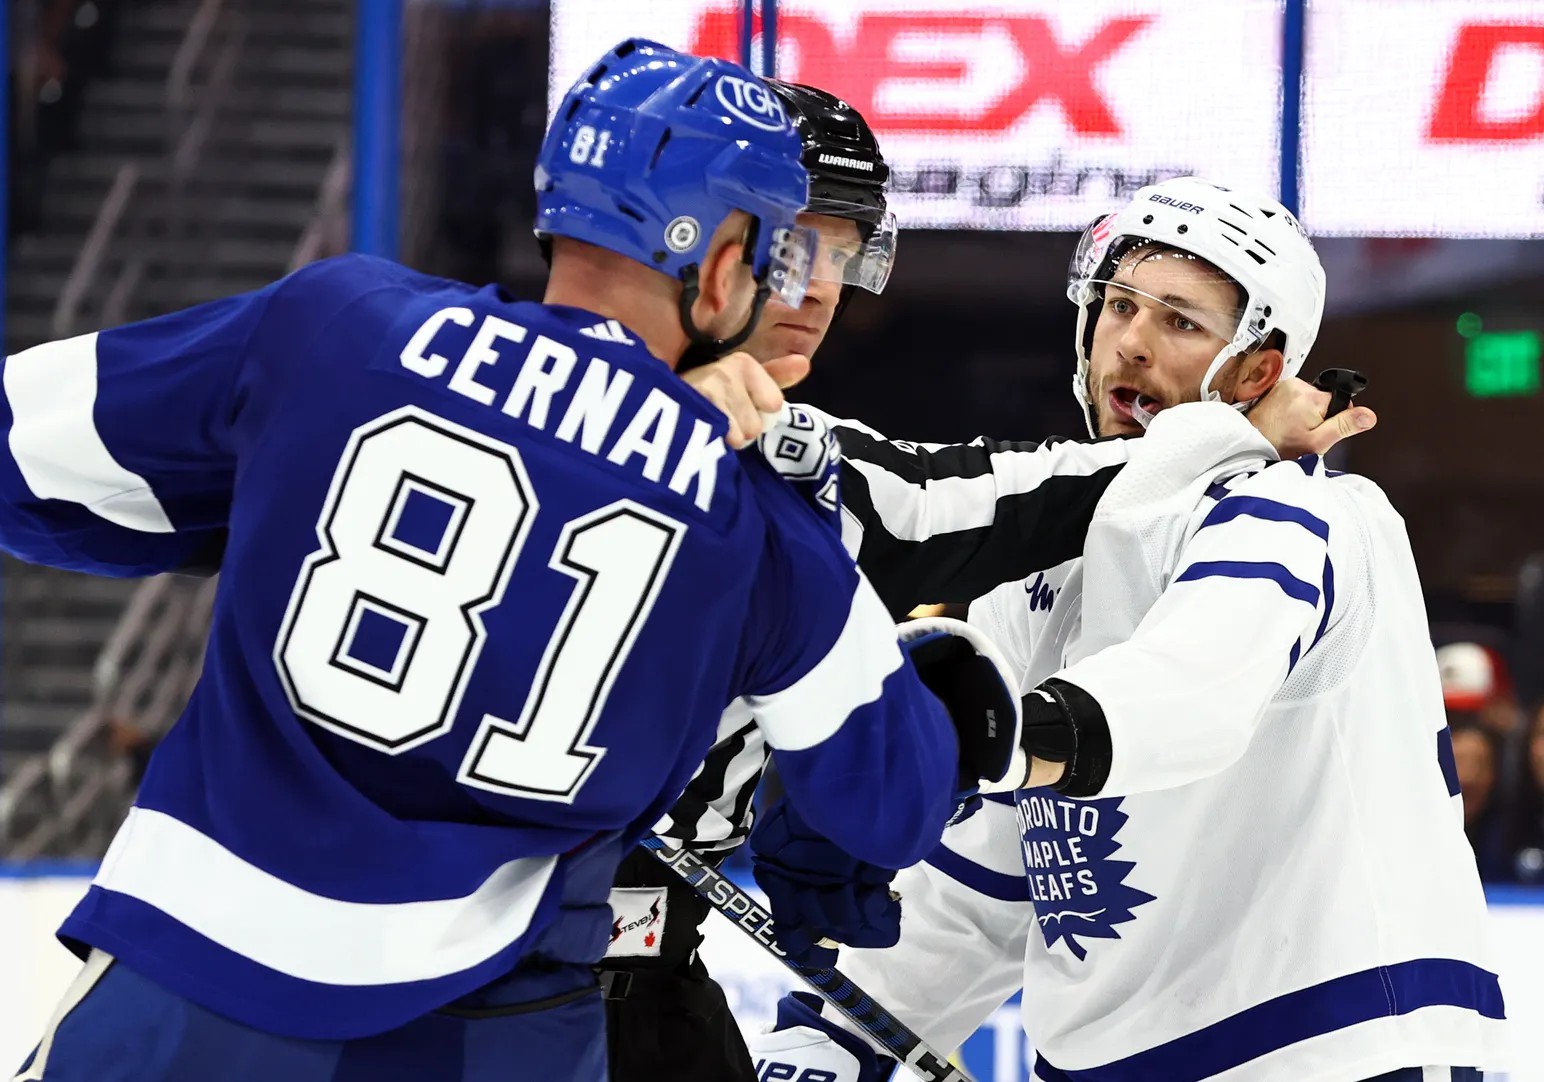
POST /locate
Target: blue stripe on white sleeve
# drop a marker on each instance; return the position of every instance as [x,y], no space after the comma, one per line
[1329,600]
[1446,761]
[966,872]
[1241,523]
[1258,507]
[1299,1016]
[1250,586]
[1290,584]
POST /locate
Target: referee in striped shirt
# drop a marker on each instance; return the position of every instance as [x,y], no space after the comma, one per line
[928,524]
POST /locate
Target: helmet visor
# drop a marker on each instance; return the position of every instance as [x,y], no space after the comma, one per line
[1092,247]
[1143,271]
[848,257]
[792,254]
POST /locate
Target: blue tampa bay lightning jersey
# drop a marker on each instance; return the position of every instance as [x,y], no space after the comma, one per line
[489,575]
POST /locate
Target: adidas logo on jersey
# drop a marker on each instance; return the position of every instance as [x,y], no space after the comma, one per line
[609,331]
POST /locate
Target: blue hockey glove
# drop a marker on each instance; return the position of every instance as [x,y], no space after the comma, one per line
[803,1044]
[964,668]
[817,891]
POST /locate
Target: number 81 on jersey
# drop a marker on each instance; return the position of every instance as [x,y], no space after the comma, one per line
[376,579]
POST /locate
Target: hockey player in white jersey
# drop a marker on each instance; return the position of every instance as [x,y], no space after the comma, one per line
[1239,851]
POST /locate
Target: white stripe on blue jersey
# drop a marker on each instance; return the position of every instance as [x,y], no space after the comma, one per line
[52,390]
[852,673]
[192,878]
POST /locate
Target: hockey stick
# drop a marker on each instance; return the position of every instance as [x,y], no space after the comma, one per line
[882,1027]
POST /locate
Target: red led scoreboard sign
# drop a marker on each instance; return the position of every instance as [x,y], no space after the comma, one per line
[1425,118]
[1006,115]
[1419,118]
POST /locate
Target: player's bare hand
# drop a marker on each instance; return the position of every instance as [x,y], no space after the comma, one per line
[1291,416]
[747,390]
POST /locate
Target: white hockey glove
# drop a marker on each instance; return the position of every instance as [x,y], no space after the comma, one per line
[803,1045]
[801,446]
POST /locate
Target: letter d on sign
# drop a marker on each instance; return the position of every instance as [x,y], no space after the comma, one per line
[1471,68]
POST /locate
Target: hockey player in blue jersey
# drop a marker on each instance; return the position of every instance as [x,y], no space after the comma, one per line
[378,843]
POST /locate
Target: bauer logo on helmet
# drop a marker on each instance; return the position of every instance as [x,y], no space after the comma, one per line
[1176,204]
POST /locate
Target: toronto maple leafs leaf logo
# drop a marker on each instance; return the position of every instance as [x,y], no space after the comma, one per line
[1078,888]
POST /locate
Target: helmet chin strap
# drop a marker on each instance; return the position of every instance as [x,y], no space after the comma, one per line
[1080,377]
[1228,352]
[1086,301]
[1090,419]
[704,347]
[1090,415]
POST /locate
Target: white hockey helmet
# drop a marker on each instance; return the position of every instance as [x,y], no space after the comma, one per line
[1257,243]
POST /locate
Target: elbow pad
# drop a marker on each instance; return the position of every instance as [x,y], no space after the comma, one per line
[1065,724]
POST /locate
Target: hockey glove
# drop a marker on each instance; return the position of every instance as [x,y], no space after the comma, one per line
[802,1044]
[964,668]
[801,446]
[817,891]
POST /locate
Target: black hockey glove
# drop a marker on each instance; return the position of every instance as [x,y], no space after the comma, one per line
[964,668]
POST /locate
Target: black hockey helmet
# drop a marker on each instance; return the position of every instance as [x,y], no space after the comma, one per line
[848,176]
[847,170]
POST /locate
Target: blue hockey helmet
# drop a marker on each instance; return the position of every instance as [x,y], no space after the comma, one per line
[653,148]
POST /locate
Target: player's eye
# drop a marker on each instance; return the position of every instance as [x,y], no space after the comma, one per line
[1181,323]
[1122,306]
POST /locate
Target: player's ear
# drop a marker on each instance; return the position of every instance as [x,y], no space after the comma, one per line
[721,270]
[1258,372]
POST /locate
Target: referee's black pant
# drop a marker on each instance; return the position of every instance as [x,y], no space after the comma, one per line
[666,1019]
[672,1025]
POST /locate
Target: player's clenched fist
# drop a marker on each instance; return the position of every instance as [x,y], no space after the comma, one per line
[745,389]
[1291,416]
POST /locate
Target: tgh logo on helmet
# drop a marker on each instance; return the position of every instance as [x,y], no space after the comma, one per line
[751,102]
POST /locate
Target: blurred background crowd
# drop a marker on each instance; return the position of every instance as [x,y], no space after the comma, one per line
[164,152]
[1498,748]
[58,46]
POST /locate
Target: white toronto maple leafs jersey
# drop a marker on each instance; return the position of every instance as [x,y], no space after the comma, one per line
[1274,884]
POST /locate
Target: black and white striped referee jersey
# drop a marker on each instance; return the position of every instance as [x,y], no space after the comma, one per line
[929,523]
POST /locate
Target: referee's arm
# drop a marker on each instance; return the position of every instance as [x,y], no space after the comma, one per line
[948,523]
